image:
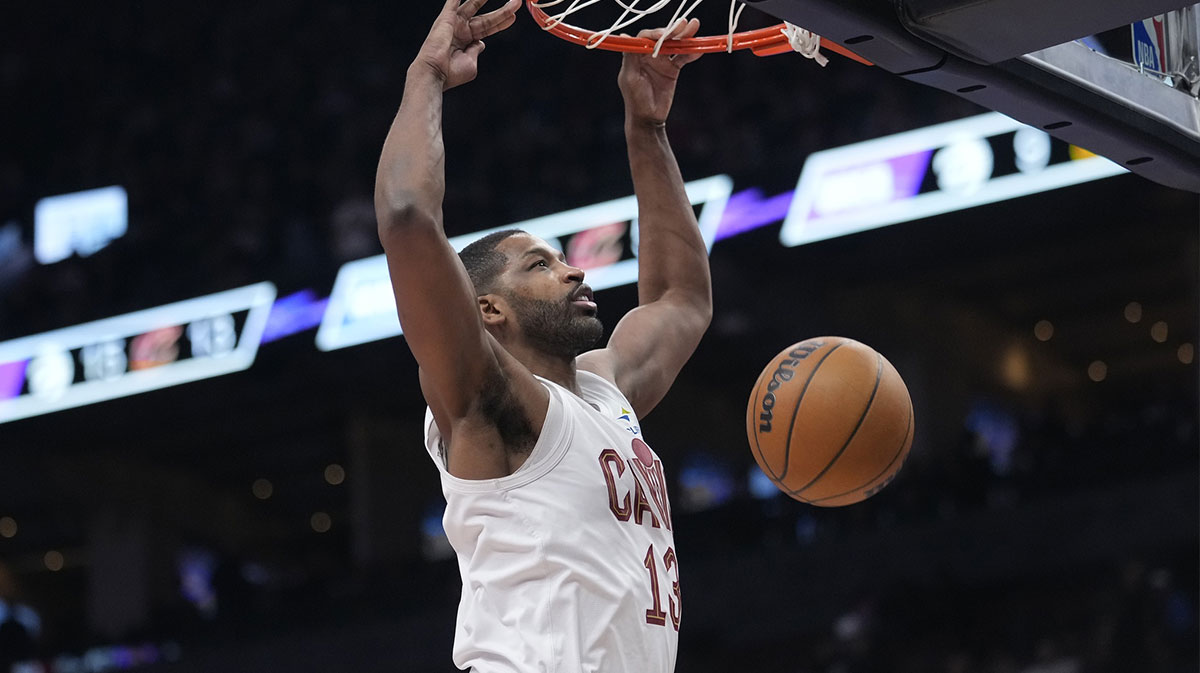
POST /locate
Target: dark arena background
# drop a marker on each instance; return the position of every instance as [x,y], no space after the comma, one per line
[210,432]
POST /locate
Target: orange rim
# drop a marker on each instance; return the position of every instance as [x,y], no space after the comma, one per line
[763,41]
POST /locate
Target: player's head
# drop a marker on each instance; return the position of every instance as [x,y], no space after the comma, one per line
[527,290]
[484,262]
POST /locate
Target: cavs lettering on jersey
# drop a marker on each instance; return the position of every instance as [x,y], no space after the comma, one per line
[568,564]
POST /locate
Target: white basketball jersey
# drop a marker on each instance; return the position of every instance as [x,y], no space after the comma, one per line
[568,565]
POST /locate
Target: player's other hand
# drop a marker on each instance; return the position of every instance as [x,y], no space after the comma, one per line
[451,52]
[648,82]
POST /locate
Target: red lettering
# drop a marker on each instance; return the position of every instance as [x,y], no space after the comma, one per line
[641,504]
[620,509]
[649,493]
[674,601]
[655,614]
[656,484]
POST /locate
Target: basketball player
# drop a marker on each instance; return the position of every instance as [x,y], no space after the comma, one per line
[556,507]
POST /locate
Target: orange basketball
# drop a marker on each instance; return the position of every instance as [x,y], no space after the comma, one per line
[830,421]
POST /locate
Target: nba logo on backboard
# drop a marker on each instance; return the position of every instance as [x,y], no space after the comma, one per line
[1150,45]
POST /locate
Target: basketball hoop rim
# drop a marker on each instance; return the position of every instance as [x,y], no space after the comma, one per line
[751,39]
[762,41]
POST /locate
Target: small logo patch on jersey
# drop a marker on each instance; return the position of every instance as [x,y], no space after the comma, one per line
[627,417]
[643,452]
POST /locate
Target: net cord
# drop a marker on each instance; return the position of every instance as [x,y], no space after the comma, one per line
[735,13]
[797,39]
[600,36]
[807,43]
[733,22]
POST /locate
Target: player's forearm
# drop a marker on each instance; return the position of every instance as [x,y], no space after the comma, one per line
[672,257]
[411,173]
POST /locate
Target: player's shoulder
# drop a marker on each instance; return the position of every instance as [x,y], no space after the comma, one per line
[590,380]
[597,364]
[602,392]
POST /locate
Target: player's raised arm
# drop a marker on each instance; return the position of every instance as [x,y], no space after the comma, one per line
[650,344]
[411,173]
[435,300]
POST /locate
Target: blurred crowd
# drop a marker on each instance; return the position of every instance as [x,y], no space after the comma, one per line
[1137,617]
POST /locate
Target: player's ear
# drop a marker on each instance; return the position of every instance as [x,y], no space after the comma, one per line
[492,309]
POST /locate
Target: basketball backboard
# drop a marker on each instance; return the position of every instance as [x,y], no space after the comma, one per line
[1020,57]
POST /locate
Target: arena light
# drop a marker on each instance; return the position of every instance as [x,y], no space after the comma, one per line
[930,171]
[105,658]
[292,314]
[361,307]
[133,353]
[750,209]
[81,222]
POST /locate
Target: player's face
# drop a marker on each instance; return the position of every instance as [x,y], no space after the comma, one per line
[551,303]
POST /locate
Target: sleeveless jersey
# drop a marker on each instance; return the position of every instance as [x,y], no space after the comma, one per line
[568,565]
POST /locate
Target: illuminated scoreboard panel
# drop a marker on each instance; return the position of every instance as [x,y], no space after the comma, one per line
[133,353]
[362,308]
[875,183]
[930,171]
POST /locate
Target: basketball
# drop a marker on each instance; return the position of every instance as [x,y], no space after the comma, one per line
[830,421]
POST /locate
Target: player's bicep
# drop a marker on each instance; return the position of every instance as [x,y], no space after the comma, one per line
[647,349]
[438,310]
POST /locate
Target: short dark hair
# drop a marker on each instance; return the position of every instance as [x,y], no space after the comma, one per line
[483,261]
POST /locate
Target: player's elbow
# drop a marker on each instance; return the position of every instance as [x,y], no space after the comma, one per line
[704,315]
[692,307]
[701,304]
[697,312]
[692,301]
[395,217]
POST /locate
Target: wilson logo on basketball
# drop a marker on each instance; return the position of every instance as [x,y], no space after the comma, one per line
[783,373]
[845,421]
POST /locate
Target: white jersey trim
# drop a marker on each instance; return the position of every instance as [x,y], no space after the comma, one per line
[547,452]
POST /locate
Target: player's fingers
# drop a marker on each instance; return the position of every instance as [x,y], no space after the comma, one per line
[509,8]
[677,29]
[681,60]
[495,21]
[475,48]
[656,33]
[686,29]
[469,8]
[681,28]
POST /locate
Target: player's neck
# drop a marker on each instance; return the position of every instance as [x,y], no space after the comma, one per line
[556,368]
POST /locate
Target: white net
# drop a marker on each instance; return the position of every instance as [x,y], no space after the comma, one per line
[806,43]
[801,40]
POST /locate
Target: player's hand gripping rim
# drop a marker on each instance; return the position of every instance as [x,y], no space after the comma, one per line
[648,82]
[451,51]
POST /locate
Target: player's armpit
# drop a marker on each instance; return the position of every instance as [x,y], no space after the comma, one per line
[499,430]
[484,401]
[648,348]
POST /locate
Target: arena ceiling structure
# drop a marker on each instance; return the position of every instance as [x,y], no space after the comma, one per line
[1018,57]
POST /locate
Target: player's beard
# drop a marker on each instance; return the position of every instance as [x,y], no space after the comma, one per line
[556,327]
